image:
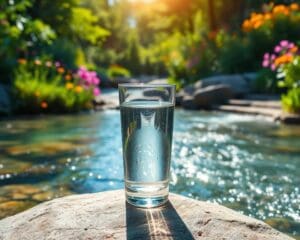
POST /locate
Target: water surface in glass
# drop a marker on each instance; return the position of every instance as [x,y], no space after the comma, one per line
[246,163]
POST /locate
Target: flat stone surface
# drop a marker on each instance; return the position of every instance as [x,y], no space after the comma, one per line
[106,216]
[264,111]
[256,103]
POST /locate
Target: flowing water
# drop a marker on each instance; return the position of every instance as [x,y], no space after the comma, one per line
[246,163]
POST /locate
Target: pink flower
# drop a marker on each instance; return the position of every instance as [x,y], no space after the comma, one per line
[93,74]
[273,67]
[265,63]
[266,56]
[96,91]
[284,43]
[82,72]
[273,56]
[57,64]
[291,45]
[277,49]
[96,81]
[88,79]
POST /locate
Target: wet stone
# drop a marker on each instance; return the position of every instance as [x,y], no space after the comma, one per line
[23,189]
[43,196]
[45,148]
[9,166]
[3,199]
[12,207]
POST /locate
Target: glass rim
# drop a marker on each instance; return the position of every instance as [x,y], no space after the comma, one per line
[146,85]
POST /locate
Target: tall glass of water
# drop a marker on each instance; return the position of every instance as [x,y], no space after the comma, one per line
[147,126]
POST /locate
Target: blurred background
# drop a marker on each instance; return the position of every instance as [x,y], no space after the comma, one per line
[62,57]
[184,41]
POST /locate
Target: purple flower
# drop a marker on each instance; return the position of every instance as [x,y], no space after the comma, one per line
[265,63]
[57,64]
[284,43]
[96,91]
[277,49]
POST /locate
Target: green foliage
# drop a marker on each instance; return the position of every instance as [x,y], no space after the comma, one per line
[66,51]
[19,31]
[291,100]
[291,81]
[291,72]
[117,71]
[39,88]
[83,25]
[266,82]
[132,59]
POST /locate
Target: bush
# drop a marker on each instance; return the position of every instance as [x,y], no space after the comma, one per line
[266,82]
[47,87]
[291,73]
[117,71]
[262,31]
[291,101]
[233,53]
[285,62]
[188,62]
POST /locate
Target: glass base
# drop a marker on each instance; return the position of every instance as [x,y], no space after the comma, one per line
[147,195]
[147,202]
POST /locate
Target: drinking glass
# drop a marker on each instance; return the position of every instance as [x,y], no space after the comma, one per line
[147,126]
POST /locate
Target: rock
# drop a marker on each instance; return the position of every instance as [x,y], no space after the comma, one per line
[190,89]
[178,99]
[238,83]
[208,96]
[106,216]
[11,166]
[109,99]
[18,191]
[290,118]
[43,147]
[3,199]
[13,207]
[188,103]
[19,196]
[43,196]
[186,92]
[5,103]
[250,77]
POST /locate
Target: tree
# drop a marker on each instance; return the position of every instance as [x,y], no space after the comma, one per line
[19,32]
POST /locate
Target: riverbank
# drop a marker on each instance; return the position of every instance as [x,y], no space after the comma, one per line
[253,104]
[225,93]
